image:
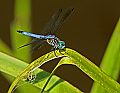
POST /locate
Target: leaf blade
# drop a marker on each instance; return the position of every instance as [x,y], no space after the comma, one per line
[111,61]
[82,63]
[15,66]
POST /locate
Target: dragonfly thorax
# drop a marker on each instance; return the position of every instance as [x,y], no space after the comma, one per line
[50,36]
[56,43]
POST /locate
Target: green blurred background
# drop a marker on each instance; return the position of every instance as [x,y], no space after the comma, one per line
[88,31]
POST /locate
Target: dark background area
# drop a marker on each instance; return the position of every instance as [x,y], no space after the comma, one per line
[87,31]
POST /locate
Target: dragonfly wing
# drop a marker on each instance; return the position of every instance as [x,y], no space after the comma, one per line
[50,25]
[56,21]
[25,45]
[32,42]
[64,15]
[37,46]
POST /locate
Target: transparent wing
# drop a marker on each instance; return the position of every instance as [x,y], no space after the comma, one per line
[56,21]
[32,42]
[39,45]
[64,15]
[50,25]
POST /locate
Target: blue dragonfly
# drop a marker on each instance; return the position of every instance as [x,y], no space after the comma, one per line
[48,36]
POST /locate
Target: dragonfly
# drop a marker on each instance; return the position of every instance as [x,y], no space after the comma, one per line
[47,36]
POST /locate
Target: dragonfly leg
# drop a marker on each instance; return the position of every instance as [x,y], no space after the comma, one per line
[55,52]
[52,49]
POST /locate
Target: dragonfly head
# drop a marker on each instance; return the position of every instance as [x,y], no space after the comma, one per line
[61,44]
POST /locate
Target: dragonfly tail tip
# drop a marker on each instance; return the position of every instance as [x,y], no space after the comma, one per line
[19,31]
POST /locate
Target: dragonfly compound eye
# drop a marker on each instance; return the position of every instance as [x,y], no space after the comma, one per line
[61,44]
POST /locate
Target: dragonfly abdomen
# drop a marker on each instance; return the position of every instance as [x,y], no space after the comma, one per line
[36,35]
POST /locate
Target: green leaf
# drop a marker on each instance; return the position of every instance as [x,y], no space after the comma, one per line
[22,15]
[81,62]
[13,67]
[111,60]
[64,60]
[4,48]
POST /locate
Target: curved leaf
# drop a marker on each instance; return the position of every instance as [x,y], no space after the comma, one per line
[13,67]
[111,61]
[81,62]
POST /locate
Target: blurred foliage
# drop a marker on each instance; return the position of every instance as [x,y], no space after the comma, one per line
[110,63]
